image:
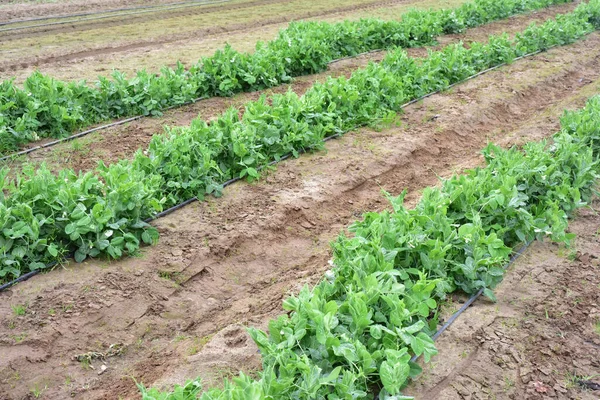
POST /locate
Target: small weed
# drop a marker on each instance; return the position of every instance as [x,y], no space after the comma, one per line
[198,344]
[16,376]
[18,338]
[37,392]
[572,379]
[87,288]
[52,312]
[508,383]
[19,309]
[85,364]
[76,145]
[174,277]
[597,327]
[66,307]
[180,338]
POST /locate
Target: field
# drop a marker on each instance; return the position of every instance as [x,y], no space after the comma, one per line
[163,314]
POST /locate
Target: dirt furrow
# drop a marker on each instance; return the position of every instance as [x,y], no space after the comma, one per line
[179,309]
[117,20]
[16,10]
[158,41]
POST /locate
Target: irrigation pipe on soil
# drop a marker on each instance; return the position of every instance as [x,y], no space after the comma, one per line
[286,156]
[124,121]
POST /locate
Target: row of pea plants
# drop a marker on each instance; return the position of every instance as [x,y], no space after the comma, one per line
[45,216]
[47,107]
[355,332]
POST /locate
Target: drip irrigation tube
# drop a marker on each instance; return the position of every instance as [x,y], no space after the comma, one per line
[23,277]
[284,157]
[113,10]
[121,122]
[183,5]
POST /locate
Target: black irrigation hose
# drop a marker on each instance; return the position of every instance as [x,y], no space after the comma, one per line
[23,277]
[121,122]
[284,157]
[183,5]
[113,10]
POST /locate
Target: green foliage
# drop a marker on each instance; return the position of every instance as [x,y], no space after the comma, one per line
[47,107]
[188,391]
[44,217]
[358,328]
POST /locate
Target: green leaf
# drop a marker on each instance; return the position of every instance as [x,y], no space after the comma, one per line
[489,294]
[53,250]
[393,375]
[70,228]
[332,376]
[80,256]
[146,237]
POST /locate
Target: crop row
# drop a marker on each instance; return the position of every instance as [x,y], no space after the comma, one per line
[47,107]
[44,216]
[357,330]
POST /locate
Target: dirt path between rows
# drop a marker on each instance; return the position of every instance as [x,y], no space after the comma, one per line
[117,20]
[32,9]
[13,65]
[541,339]
[178,310]
[84,154]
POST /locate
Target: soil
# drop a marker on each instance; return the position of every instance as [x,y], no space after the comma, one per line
[50,56]
[179,309]
[86,153]
[12,11]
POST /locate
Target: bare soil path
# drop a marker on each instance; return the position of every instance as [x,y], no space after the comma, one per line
[13,10]
[179,309]
[87,49]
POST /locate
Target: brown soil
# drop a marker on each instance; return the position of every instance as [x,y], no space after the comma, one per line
[23,62]
[539,341]
[179,308]
[100,146]
[118,20]
[33,9]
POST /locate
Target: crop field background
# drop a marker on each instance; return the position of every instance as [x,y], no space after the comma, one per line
[348,254]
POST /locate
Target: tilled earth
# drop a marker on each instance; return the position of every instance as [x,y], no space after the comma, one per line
[178,310]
